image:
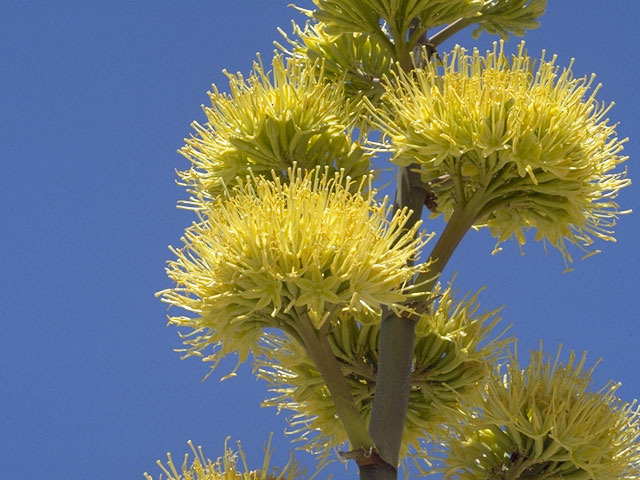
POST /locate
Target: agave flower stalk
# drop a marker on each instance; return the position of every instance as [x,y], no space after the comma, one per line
[500,144]
[485,140]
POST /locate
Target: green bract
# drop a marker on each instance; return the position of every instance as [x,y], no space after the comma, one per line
[452,351]
[513,146]
[269,121]
[268,252]
[545,422]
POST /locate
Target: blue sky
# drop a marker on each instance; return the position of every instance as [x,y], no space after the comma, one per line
[95,99]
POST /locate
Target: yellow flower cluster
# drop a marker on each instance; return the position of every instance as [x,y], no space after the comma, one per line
[513,146]
[501,17]
[270,121]
[545,422]
[364,16]
[225,467]
[504,17]
[269,251]
[357,60]
[453,346]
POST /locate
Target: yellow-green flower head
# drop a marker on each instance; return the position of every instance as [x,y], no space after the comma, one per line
[502,17]
[225,467]
[546,422]
[357,59]
[452,348]
[513,146]
[343,16]
[269,121]
[269,251]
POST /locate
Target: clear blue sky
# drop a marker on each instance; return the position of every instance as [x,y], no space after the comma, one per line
[95,98]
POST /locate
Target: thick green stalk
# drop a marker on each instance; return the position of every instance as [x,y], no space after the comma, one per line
[379,472]
[395,356]
[391,399]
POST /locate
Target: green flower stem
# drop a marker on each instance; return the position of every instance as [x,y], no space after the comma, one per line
[451,30]
[319,350]
[410,193]
[399,50]
[458,225]
[397,334]
[403,55]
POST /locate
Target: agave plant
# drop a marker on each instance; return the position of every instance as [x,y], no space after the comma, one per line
[297,262]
